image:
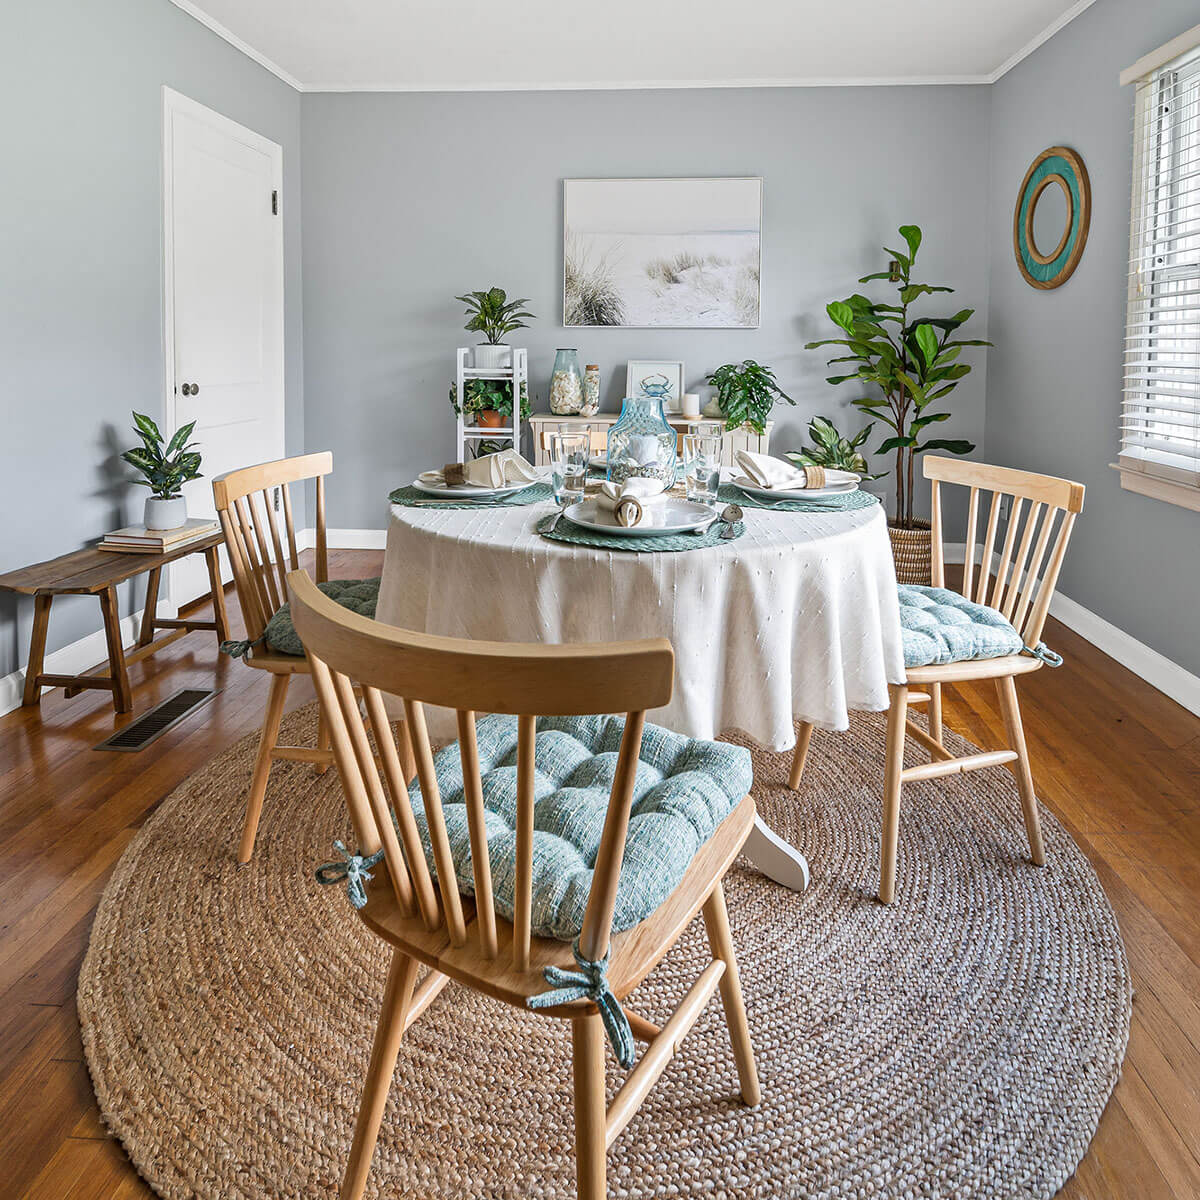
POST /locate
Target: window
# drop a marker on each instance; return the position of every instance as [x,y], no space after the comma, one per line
[1160,413]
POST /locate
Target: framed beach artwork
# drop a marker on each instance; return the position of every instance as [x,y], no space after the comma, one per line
[662,253]
[655,380]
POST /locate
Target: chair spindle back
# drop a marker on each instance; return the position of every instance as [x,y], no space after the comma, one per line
[1032,551]
[245,504]
[496,677]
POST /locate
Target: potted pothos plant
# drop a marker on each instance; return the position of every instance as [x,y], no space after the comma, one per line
[489,401]
[746,393]
[494,315]
[907,364]
[831,449]
[164,469]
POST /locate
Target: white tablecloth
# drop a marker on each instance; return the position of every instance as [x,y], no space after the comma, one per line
[797,617]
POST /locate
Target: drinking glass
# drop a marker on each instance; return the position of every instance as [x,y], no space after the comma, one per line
[568,466]
[702,466]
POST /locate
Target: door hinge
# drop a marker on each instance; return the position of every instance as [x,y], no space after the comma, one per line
[275,204]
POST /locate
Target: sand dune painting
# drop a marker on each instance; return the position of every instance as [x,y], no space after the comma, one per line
[662,253]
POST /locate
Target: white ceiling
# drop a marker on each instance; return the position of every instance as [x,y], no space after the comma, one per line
[454,45]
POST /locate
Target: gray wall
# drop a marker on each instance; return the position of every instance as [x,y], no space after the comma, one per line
[1054,380]
[80,263]
[411,199]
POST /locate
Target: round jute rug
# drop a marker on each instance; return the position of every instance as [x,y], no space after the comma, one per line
[962,1042]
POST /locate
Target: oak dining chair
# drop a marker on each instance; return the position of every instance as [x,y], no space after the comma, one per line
[260,559]
[454,893]
[992,629]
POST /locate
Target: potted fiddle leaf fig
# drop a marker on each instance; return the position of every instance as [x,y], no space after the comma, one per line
[165,470]
[746,393]
[906,364]
[494,315]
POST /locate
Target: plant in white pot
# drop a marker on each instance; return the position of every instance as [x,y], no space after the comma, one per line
[166,470]
[494,315]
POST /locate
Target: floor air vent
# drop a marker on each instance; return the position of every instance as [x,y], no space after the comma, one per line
[137,735]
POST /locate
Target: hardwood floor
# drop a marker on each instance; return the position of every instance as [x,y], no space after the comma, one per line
[1117,761]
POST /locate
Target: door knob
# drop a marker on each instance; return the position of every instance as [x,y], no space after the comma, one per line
[190,389]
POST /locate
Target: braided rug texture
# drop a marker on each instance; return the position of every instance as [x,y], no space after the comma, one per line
[961,1043]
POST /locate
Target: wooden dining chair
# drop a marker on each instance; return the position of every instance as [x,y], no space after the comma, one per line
[246,502]
[999,615]
[495,941]
[597,440]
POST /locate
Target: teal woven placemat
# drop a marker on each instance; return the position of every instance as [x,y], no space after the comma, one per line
[576,535]
[411,497]
[730,493]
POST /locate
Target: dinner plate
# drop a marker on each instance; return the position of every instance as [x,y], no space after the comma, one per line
[661,518]
[759,493]
[469,491]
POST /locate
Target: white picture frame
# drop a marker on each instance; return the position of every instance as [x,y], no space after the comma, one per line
[642,372]
[662,253]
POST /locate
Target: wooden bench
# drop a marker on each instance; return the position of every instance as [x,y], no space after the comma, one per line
[94,572]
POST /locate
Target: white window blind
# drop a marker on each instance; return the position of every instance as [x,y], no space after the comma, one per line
[1160,414]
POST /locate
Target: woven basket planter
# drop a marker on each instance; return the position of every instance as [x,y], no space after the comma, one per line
[912,550]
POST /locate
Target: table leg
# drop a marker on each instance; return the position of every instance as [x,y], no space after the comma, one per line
[146,634]
[212,557]
[122,695]
[775,858]
[37,648]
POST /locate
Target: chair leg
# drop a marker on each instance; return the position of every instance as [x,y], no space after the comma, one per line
[716,924]
[262,764]
[587,1060]
[935,711]
[897,716]
[396,999]
[1015,729]
[323,742]
[800,754]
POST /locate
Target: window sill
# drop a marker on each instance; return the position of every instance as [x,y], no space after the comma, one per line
[1158,489]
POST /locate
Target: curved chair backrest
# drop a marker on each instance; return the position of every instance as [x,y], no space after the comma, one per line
[528,681]
[256,552]
[1025,578]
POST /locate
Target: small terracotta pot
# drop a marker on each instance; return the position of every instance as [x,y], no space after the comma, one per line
[912,551]
[489,418]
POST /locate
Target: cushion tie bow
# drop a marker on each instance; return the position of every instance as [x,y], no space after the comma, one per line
[242,648]
[1042,651]
[590,982]
[354,869]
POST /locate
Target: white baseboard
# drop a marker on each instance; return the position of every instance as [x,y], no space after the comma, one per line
[1156,669]
[73,659]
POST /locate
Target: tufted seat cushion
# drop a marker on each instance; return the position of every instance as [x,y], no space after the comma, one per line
[682,791]
[940,626]
[358,595]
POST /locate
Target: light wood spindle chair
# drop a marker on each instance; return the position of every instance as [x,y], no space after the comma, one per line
[1038,527]
[260,561]
[597,440]
[463,939]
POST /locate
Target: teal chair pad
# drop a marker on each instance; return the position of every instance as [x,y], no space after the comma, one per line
[358,595]
[683,789]
[939,626]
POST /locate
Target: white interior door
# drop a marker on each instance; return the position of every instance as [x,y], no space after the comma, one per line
[223,259]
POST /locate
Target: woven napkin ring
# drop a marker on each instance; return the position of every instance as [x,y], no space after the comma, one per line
[454,474]
[815,476]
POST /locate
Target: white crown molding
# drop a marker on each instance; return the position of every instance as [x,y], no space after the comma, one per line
[197,13]
[1046,34]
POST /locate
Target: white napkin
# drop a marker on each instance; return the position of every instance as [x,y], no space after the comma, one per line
[490,470]
[766,472]
[627,501]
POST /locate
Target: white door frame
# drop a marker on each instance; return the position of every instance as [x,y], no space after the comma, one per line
[176,102]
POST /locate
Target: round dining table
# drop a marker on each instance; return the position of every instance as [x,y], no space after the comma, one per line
[796,619]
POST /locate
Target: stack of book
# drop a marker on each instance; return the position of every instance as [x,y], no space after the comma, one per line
[137,539]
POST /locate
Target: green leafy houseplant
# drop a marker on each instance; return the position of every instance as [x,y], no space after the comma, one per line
[912,361]
[489,396]
[830,449]
[165,469]
[746,393]
[494,315]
